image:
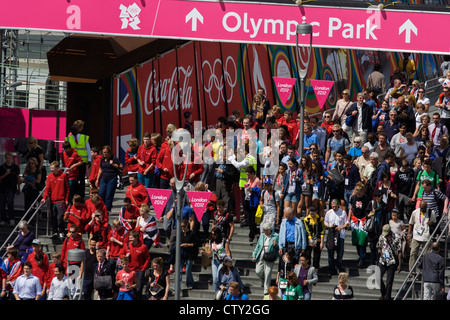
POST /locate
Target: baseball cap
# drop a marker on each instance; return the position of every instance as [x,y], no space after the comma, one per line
[36,241]
[268,181]
[386,229]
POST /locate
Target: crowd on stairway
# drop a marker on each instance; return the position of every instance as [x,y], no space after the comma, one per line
[375,170]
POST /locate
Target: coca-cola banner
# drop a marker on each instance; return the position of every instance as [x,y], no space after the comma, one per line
[212,79]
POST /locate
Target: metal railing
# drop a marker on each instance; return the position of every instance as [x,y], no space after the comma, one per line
[15,230]
[419,258]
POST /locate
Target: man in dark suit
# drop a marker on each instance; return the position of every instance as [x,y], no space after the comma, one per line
[362,114]
[103,268]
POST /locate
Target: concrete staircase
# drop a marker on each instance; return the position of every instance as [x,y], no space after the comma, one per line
[361,279]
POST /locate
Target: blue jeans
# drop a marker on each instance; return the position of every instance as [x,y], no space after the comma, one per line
[216,265]
[189,277]
[107,190]
[146,180]
[361,250]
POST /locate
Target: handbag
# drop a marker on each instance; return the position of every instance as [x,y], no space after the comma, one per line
[102,282]
[332,239]
[269,256]
[369,225]
[258,214]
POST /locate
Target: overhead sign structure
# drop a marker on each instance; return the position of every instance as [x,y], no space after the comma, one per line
[335,27]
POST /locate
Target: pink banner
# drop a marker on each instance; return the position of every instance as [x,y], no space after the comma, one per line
[199,201]
[322,89]
[159,198]
[284,88]
[270,23]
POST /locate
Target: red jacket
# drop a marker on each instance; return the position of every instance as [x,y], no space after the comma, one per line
[281,120]
[70,160]
[57,188]
[14,271]
[196,169]
[131,162]
[75,215]
[328,126]
[91,208]
[293,128]
[100,231]
[138,194]
[31,259]
[164,161]
[71,242]
[139,256]
[94,170]
[148,155]
[115,249]
[42,273]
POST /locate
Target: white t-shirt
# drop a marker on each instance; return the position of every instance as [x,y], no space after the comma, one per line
[338,218]
[421,229]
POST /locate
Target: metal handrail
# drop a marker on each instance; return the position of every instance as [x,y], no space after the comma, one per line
[23,218]
[422,253]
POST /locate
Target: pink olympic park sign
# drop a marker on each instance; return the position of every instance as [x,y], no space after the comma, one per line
[334,27]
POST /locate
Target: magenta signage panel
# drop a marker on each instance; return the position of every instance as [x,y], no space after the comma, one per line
[355,28]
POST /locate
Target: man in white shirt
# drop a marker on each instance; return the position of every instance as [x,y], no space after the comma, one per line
[336,219]
[419,231]
[27,286]
[59,288]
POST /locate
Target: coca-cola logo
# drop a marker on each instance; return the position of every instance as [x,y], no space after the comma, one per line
[163,93]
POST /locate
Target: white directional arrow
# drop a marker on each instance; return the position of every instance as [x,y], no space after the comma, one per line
[407,27]
[195,16]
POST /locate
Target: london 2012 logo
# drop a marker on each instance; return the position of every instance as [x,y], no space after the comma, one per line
[130,16]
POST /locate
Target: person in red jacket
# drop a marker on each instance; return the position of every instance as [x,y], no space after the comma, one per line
[98,229]
[194,170]
[13,269]
[75,212]
[146,157]
[131,161]
[36,247]
[95,166]
[292,126]
[117,237]
[57,190]
[279,116]
[128,215]
[72,162]
[40,270]
[93,204]
[136,191]
[72,241]
[139,257]
[165,164]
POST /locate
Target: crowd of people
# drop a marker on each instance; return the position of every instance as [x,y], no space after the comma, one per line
[368,168]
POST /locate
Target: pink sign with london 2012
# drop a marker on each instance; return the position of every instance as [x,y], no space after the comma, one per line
[335,27]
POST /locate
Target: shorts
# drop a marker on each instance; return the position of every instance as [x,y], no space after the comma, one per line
[291,197]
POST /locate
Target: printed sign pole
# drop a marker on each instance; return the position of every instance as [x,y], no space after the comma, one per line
[184,138]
